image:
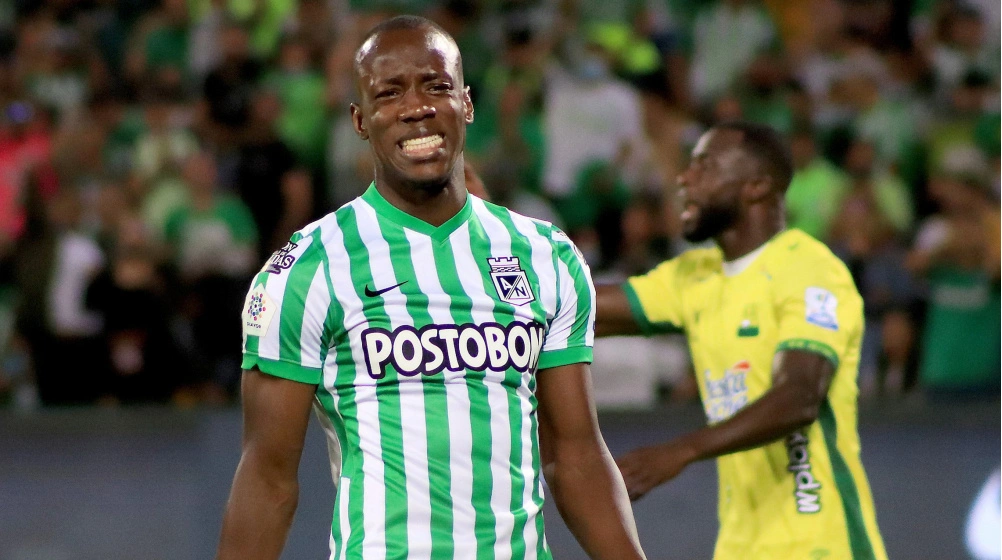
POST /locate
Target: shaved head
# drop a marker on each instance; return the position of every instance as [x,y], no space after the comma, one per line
[438,39]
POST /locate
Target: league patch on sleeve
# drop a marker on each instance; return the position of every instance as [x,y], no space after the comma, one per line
[258,311]
[822,308]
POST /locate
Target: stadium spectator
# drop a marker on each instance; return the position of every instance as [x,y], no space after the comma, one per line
[277,191]
[727,36]
[957,251]
[229,87]
[817,188]
[213,240]
[54,271]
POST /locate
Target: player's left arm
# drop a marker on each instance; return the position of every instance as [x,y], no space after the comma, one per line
[583,478]
[581,473]
[800,384]
[809,316]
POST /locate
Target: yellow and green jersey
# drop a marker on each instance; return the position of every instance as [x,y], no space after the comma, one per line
[805,497]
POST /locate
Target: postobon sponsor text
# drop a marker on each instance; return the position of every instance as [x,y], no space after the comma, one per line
[433,348]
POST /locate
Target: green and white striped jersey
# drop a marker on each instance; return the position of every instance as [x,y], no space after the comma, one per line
[424,343]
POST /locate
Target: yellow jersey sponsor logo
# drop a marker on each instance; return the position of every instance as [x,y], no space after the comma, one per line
[728,394]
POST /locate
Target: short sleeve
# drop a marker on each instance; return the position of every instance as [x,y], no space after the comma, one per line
[655,299]
[818,309]
[571,335]
[285,316]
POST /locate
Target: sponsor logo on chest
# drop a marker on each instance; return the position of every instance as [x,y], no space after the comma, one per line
[727,394]
[434,348]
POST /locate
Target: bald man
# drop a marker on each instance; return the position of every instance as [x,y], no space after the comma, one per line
[443,341]
[774,324]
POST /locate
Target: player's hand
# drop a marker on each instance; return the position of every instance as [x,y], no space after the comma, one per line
[648,467]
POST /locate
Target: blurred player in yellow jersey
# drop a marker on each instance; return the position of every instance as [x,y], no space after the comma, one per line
[774,323]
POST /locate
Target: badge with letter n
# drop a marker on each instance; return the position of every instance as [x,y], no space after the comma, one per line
[510,281]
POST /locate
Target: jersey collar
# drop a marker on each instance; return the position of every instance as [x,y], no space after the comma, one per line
[390,212]
[740,264]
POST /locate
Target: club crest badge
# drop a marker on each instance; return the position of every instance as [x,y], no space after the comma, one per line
[281,259]
[510,281]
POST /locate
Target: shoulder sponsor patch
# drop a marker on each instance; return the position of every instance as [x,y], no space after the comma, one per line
[821,308]
[258,312]
[281,259]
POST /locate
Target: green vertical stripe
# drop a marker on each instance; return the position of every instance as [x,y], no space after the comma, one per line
[348,410]
[537,469]
[253,343]
[344,417]
[480,426]
[521,247]
[332,329]
[542,551]
[294,301]
[436,408]
[859,539]
[575,268]
[388,397]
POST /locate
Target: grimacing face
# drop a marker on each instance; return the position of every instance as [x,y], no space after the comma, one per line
[414,108]
[711,185]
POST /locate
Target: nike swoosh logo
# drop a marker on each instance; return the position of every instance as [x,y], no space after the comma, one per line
[374,293]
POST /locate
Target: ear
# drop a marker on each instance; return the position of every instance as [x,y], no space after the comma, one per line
[468,105]
[758,189]
[357,122]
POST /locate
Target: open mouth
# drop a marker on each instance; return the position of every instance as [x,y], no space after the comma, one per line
[689,210]
[422,147]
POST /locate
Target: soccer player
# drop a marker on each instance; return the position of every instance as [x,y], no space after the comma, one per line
[436,335]
[774,324]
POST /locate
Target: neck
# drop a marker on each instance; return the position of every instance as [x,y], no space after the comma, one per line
[434,206]
[759,224]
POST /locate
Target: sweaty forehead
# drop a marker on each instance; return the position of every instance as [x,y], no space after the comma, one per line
[396,51]
[717,141]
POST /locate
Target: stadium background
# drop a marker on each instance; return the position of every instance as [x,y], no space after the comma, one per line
[154,153]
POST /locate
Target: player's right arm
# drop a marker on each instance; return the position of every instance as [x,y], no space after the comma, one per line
[265,488]
[647,304]
[286,333]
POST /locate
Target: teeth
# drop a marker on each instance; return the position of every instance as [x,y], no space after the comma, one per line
[423,143]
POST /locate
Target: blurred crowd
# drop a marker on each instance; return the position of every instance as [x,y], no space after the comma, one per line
[153,153]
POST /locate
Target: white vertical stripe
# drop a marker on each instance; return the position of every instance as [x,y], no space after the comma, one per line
[457,402]
[542,262]
[336,456]
[318,301]
[563,324]
[270,344]
[496,395]
[590,336]
[342,484]
[411,390]
[542,266]
[370,444]
[344,495]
